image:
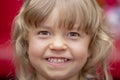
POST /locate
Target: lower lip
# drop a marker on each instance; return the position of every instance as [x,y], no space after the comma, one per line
[58,64]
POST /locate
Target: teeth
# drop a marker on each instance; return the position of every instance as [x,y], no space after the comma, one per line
[57,60]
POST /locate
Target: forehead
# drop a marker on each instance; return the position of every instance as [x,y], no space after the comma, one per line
[65,14]
[58,20]
[52,19]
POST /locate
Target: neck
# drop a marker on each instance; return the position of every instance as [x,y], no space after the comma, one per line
[39,77]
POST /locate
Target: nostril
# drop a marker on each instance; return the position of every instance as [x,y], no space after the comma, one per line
[57,47]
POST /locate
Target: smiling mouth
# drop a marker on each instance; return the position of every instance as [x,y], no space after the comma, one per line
[57,60]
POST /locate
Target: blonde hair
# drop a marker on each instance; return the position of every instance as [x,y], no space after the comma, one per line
[34,12]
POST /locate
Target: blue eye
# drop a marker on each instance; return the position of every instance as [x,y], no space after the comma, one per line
[73,35]
[44,33]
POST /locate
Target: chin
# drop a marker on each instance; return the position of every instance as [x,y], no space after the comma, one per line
[57,77]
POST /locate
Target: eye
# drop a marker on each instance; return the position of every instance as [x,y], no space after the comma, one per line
[73,35]
[44,33]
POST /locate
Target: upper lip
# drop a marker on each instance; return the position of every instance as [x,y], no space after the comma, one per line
[58,57]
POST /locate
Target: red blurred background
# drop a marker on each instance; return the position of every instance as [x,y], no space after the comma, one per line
[8,10]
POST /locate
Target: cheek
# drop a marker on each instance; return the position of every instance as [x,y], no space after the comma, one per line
[36,48]
[80,51]
[80,54]
[80,47]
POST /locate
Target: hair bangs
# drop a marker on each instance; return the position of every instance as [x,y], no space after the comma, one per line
[37,12]
[90,14]
[78,12]
[71,12]
[68,14]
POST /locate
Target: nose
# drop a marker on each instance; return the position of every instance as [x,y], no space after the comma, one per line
[58,44]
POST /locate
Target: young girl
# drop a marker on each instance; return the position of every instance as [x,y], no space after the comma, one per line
[61,40]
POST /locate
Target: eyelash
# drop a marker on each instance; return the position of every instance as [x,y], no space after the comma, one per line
[73,35]
[44,33]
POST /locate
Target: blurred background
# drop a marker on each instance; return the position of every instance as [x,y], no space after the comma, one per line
[8,10]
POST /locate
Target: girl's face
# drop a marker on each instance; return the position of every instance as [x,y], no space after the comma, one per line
[55,53]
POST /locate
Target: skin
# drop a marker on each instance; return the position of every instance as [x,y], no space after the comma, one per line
[49,41]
